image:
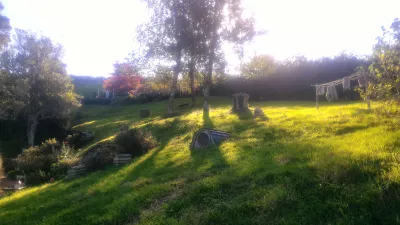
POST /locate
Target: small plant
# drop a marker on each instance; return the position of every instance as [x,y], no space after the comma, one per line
[135,142]
[40,163]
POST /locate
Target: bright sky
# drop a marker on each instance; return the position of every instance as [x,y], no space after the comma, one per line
[96,33]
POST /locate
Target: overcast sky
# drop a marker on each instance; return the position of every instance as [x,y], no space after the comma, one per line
[96,33]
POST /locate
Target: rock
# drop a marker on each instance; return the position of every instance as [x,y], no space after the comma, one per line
[122,159]
[86,136]
[76,171]
[144,113]
[258,112]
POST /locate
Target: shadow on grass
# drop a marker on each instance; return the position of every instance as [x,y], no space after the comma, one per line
[277,179]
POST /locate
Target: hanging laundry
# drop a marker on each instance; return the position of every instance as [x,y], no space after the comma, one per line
[361,81]
[331,94]
[320,90]
[346,84]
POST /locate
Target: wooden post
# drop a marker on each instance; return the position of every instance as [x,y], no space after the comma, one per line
[316,96]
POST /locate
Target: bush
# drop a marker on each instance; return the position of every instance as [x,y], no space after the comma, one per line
[12,174]
[37,177]
[78,139]
[8,164]
[50,159]
[99,156]
[135,142]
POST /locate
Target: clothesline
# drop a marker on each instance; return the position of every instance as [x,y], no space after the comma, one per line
[353,76]
[331,90]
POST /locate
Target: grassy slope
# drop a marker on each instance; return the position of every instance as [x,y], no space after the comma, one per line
[336,165]
[85,85]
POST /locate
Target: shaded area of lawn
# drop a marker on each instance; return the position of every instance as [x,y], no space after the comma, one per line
[336,165]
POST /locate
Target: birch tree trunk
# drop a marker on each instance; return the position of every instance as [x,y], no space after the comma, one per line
[31,129]
[191,76]
[177,70]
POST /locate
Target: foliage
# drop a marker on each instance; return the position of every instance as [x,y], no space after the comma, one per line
[335,165]
[34,81]
[385,67]
[135,142]
[78,139]
[261,65]
[5,29]
[292,78]
[161,80]
[40,163]
[123,80]
[12,174]
[99,156]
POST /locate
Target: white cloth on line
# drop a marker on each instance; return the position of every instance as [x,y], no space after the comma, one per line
[346,83]
[320,90]
[331,93]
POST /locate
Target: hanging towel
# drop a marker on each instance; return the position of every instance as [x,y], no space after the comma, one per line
[320,90]
[331,93]
[361,81]
[346,83]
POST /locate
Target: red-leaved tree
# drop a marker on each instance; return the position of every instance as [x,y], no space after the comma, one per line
[123,80]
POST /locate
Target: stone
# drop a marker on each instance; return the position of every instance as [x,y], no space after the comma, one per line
[240,102]
[76,171]
[122,159]
[258,112]
[144,113]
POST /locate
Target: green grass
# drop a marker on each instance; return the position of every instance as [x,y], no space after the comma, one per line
[335,165]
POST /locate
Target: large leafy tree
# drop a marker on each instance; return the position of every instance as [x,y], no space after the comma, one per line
[34,83]
[123,80]
[385,67]
[164,36]
[261,65]
[221,21]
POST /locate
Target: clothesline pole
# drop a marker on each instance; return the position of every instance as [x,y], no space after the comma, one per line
[316,96]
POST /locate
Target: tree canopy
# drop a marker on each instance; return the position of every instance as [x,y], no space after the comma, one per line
[34,81]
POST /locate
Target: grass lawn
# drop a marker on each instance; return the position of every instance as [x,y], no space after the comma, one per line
[335,165]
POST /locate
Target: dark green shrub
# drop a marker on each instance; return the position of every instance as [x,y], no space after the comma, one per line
[37,177]
[99,156]
[12,174]
[59,170]
[135,142]
[50,159]
[78,139]
[8,164]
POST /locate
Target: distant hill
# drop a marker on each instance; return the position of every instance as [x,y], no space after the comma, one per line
[86,85]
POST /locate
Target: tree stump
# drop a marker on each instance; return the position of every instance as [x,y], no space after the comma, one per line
[240,102]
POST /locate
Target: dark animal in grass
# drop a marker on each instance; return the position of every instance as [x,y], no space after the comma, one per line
[184,105]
